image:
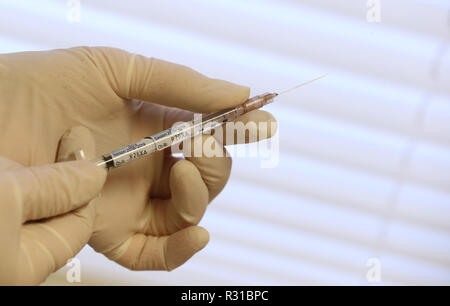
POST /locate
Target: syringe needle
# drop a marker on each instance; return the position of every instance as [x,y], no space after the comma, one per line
[302,84]
[184,131]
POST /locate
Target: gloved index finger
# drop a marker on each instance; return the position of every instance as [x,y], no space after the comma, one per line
[154,80]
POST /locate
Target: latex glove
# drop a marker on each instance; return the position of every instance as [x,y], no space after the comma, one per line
[147,215]
[44,219]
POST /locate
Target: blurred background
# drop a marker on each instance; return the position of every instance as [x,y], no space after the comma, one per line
[361,192]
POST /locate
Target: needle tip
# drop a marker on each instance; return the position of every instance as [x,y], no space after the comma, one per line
[303,84]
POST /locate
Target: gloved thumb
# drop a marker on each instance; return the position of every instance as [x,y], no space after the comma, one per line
[50,243]
[77,143]
[55,189]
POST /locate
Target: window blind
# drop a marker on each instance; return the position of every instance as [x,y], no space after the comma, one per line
[364,154]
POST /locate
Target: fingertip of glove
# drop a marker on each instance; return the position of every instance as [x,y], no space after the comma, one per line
[242,92]
[199,238]
[94,173]
[245,92]
[202,236]
[184,244]
[232,94]
[271,122]
[75,140]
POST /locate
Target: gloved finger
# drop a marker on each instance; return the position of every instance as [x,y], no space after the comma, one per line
[213,164]
[142,252]
[214,167]
[154,80]
[162,189]
[46,246]
[50,243]
[10,225]
[50,190]
[251,127]
[254,126]
[7,164]
[77,143]
[185,207]
[209,156]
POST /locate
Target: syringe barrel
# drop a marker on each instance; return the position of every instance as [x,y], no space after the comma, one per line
[180,132]
[124,155]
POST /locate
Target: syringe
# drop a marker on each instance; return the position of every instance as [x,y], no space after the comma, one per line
[185,130]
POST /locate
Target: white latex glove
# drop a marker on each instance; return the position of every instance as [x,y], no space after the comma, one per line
[149,210]
[44,219]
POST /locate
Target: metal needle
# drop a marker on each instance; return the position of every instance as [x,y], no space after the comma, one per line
[302,84]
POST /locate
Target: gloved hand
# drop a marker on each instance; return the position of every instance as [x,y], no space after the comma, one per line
[44,219]
[147,215]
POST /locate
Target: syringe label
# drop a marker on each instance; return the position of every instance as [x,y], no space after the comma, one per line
[172,136]
[131,152]
[161,135]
